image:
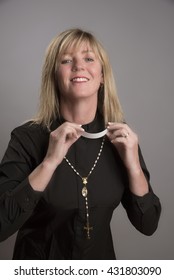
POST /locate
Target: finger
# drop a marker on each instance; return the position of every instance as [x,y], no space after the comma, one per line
[72,133]
[116,126]
[68,125]
[67,128]
[118,133]
[78,127]
[78,130]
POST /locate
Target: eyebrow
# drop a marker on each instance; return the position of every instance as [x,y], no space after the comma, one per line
[84,51]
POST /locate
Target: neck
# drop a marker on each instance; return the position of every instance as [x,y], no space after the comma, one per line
[78,112]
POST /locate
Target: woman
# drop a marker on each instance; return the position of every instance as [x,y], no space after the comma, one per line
[64,173]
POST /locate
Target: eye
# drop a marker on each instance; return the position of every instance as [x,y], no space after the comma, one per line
[66,61]
[89,59]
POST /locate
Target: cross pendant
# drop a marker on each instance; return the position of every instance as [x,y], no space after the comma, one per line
[88,228]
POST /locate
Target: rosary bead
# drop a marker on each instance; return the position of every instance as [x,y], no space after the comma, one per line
[84,189]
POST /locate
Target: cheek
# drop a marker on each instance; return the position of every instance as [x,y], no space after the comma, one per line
[62,77]
[64,70]
[98,73]
[99,76]
[61,80]
[61,73]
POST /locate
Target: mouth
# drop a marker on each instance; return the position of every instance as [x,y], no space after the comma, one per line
[79,79]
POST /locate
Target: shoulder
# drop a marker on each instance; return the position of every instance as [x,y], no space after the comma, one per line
[30,128]
[30,135]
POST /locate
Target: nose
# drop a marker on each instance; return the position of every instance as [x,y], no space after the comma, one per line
[77,65]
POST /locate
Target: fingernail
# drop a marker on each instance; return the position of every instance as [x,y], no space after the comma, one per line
[110,123]
[81,127]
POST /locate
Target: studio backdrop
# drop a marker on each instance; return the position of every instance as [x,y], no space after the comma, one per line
[138,36]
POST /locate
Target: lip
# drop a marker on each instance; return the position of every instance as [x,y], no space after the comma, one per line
[79,79]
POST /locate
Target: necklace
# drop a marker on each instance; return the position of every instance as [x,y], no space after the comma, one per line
[84,191]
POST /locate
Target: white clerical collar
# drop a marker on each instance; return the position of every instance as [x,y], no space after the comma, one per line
[94,135]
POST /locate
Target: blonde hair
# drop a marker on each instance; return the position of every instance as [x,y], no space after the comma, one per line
[108,102]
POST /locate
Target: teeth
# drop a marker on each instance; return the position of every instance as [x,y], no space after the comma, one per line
[80,79]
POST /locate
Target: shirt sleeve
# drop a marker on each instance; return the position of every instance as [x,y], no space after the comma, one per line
[143,211]
[17,198]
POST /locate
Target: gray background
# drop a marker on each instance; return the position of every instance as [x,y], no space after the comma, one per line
[139,37]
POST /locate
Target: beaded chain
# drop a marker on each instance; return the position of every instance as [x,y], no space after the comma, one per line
[84,189]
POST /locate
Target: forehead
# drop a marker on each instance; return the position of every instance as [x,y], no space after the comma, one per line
[82,47]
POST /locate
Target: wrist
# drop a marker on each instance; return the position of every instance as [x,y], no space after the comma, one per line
[41,176]
[137,181]
[49,164]
[134,170]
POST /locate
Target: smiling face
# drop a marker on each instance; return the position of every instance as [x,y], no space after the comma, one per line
[79,73]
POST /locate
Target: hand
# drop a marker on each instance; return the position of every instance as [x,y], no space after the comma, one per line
[126,143]
[60,141]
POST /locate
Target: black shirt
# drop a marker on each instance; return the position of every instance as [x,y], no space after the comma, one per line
[51,224]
